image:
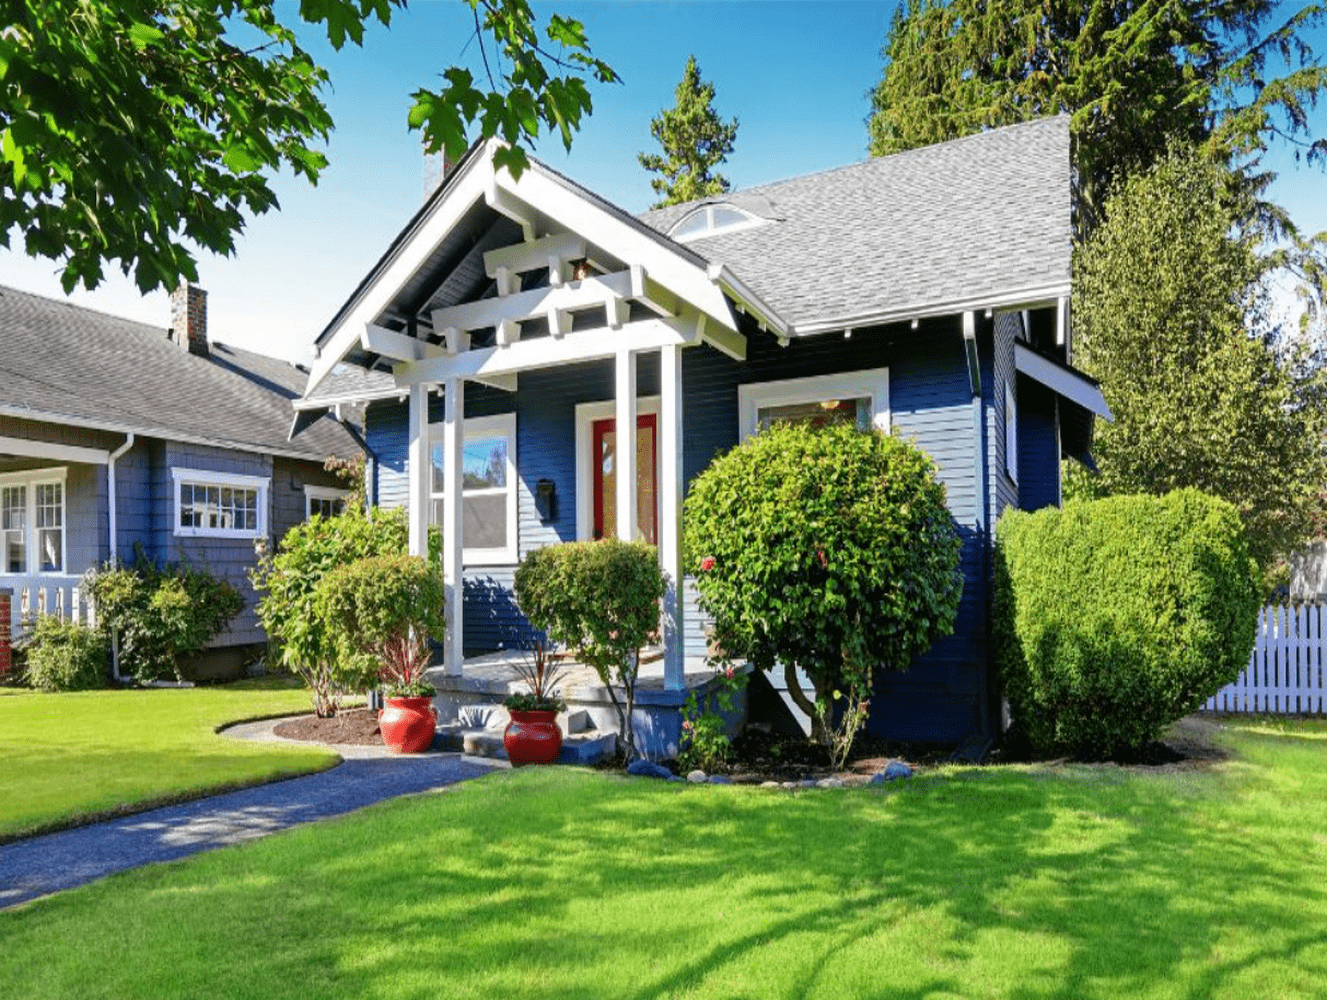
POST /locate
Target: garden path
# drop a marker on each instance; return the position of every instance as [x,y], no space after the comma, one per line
[50,863]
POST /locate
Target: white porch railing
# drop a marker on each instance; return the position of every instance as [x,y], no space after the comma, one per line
[47,595]
[1287,672]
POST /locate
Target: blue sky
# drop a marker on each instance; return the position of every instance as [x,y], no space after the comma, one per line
[796,74]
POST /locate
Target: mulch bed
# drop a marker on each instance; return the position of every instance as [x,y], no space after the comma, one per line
[350,727]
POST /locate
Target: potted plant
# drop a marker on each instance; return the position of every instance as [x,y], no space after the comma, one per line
[380,613]
[532,736]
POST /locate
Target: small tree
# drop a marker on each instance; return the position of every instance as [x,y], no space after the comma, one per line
[379,614]
[695,140]
[289,580]
[600,600]
[826,549]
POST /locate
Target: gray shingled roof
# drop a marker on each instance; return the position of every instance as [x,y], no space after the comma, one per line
[985,215]
[350,383]
[59,361]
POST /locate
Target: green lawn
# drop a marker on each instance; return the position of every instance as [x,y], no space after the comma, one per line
[66,756]
[1016,882]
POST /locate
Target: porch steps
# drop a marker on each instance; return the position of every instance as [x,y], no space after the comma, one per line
[478,732]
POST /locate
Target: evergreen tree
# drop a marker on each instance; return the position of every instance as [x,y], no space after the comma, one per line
[1166,292]
[694,139]
[1134,76]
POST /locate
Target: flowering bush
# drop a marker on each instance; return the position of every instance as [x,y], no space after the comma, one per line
[829,549]
[705,743]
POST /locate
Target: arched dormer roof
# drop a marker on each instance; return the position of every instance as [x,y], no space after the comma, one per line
[711,220]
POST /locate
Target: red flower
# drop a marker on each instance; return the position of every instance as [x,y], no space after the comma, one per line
[686,724]
[728,673]
[707,564]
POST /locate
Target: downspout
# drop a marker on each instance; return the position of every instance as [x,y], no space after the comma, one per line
[982,491]
[113,522]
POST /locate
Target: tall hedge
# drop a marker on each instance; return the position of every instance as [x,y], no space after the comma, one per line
[1115,617]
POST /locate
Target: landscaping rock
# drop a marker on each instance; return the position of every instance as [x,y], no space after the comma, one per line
[790,785]
[770,784]
[697,777]
[648,769]
[830,783]
[720,779]
[894,770]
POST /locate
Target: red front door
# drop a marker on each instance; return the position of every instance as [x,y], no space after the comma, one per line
[605,478]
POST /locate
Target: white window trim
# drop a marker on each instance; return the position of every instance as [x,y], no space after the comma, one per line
[587,414]
[312,493]
[32,478]
[1010,433]
[203,477]
[872,383]
[499,424]
[750,222]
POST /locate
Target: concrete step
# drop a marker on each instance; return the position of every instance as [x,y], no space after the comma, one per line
[496,717]
[583,748]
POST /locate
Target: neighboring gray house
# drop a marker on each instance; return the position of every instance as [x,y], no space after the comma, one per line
[513,326]
[115,435]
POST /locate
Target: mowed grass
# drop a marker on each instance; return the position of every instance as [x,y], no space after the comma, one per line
[1013,882]
[64,757]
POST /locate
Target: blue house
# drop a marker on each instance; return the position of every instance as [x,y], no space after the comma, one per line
[515,325]
[117,437]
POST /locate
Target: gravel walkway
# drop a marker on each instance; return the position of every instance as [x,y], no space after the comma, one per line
[56,861]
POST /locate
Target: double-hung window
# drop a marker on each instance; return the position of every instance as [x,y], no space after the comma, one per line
[860,398]
[32,522]
[219,504]
[488,488]
[324,501]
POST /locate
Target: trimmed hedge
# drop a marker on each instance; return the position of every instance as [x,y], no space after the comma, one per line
[1115,617]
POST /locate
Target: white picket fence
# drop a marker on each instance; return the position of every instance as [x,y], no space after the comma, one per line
[1286,674]
[48,596]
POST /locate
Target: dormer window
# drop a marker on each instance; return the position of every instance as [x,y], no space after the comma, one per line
[711,220]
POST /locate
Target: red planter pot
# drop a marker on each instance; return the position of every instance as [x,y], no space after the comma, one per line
[408,724]
[532,738]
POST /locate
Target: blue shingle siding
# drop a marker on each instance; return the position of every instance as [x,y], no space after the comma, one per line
[1038,447]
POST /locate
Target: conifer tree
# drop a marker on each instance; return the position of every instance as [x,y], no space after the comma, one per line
[694,139]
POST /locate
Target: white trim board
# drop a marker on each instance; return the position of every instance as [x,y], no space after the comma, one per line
[30,448]
[1072,386]
[586,415]
[32,478]
[204,477]
[872,382]
[503,424]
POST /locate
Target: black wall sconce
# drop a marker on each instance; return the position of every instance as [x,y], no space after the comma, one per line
[546,500]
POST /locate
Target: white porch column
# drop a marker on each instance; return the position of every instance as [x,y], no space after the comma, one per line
[670,514]
[625,427]
[452,542]
[419,464]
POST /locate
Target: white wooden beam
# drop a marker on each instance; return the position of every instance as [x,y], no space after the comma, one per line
[507,383]
[559,323]
[970,348]
[397,346]
[531,256]
[505,203]
[453,340]
[508,332]
[520,306]
[503,278]
[625,428]
[728,342]
[651,293]
[56,452]
[453,445]
[617,312]
[670,516]
[545,352]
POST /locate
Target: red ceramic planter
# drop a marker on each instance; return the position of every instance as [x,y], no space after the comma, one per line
[532,738]
[407,724]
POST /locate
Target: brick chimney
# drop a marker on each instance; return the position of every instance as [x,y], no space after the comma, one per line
[188,318]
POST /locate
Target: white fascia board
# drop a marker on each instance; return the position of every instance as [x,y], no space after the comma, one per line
[29,448]
[349,398]
[1024,298]
[748,299]
[587,293]
[546,352]
[600,228]
[397,346]
[464,189]
[1064,382]
[163,433]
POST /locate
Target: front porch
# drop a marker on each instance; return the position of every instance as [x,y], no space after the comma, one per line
[471,716]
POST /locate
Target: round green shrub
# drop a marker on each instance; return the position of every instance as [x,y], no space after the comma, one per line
[379,614]
[830,549]
[66,656]
[1115,617]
